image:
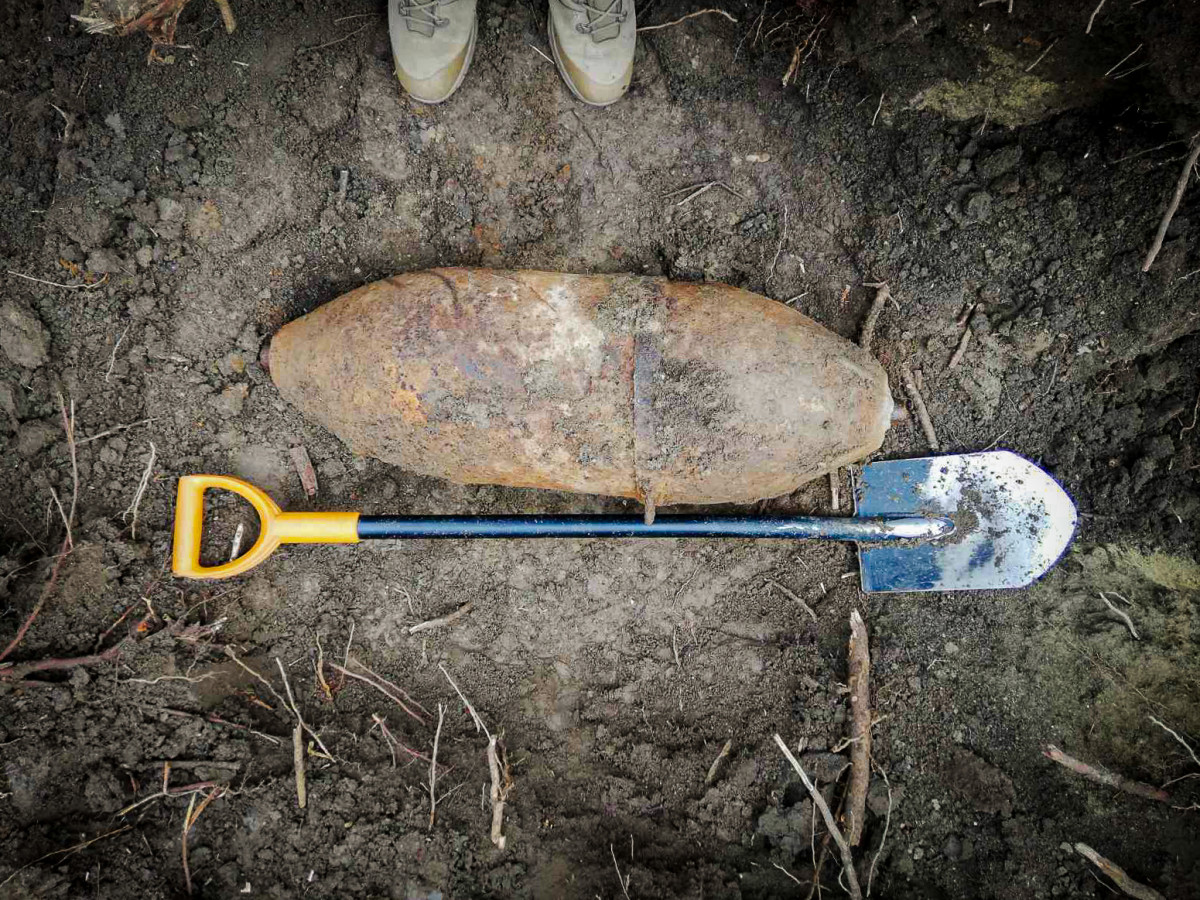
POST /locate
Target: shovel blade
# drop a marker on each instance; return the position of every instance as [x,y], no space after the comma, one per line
[1012,522]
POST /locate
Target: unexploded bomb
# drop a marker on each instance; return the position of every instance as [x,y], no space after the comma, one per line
[638,387]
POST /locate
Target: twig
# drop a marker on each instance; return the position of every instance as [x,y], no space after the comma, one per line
[1123,59]
[501,785]
[443,620]
[792,596]
[1118,875]
[835,500]
[779,249]
[227,16]
[1049,47]
[882,293]
[270,687]
[860,728]
[112,360]
[344,37]
[304,468]
[1124,616]
[187,824]
[396,694]
[437,736]
[715,768]
[68,422]
[20,670]
[63,551]
[114,430]
[1101,775]
[1175,734]
[1092,18]
[235,547]
[847,858]
[141,489]
[1180,187]
[58,284]
[81,845]
[479,726]
[701,12]
[298,765]
[621,879]
[886,822]
[877,109]
[788,874]
[961,349]
[539,53]
[919,405]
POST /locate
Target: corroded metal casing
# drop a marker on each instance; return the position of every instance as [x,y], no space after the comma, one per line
[662,391]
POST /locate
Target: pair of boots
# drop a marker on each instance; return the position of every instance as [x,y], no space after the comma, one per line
[592,41]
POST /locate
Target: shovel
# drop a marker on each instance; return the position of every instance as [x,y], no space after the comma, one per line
[975,521]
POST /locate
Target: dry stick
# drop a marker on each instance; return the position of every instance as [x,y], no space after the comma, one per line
[860,728]
[114,430]
[437,736]
[112,360]
[1180,187]
[187,823]
[702,12]
[882,293]
[227,16]
[479,726]
[1124,616]
[960,350]
[1092,18]
[779,249]
[20,670]
[443,620]
[298,765]
[382,686]
[1050,47]
[499,792]
[296,709]
[1175,734]
[58,284]
[37,607]
[81,845]
[918,403]
[1101,775]
[877,109]
[141,490]
[1118,875]
[270,687]
[886,822]
[304,468]
[804,606]
[844,848]
[711,777]
[835,499]
[69,428]
[622,880]
[1123,59]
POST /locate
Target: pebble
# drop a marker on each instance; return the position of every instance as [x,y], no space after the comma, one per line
[23,337]
[978,207]
[952,849]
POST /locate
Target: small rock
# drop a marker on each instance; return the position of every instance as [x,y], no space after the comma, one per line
[169,210]
[23,337]
[964,166]
[1050,167]
[33,437]
[113,121]
[103,262]
[145,256]
[953,848]
[232,399]
[978,207]
[823,768]
[951,648]
[1001,162]
[1066,209]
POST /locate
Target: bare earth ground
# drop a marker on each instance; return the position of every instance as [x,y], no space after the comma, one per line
[207,191]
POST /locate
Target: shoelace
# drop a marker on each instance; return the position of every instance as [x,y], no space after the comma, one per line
[424,13]
[599,16]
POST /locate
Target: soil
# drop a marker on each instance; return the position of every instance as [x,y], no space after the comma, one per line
[200,200]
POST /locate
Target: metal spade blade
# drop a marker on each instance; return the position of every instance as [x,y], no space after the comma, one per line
[1012,522]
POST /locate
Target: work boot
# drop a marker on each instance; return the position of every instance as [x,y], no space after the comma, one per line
[432,44]
[593,43]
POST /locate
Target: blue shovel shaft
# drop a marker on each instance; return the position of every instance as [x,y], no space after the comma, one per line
[865,529]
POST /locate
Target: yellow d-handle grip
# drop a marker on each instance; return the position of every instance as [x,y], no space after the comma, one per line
[275,527]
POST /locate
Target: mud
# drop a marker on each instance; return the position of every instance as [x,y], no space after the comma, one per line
[202,198]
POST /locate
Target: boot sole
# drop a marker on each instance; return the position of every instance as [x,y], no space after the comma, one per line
[563,72]
[461,75]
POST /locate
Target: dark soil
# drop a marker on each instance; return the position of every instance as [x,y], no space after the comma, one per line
[201,199]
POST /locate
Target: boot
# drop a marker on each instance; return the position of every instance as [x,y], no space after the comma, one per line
[432,44]
[593,43]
